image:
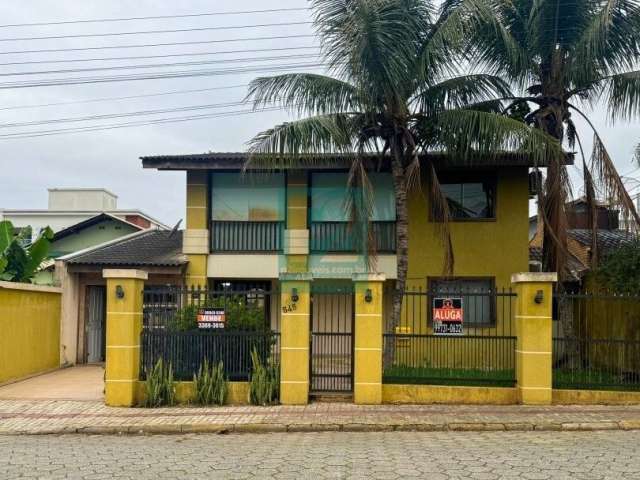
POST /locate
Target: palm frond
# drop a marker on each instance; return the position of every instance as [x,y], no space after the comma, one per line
[465,132]
[373,41]
[292,144]
[304,93]
[460,92]
[622,93]
[441,216]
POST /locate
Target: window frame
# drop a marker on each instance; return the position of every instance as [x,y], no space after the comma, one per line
[493,322]
[489,177]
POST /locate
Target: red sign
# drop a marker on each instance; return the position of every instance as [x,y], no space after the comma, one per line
[211,318]
[447,316]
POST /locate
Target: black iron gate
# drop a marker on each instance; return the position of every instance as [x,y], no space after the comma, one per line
[331,361]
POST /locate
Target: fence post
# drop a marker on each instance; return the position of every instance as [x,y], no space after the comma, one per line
[124,326]
[533,329]
[367,384]
[294,338]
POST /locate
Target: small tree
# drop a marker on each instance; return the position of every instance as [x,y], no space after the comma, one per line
[19,263]
[620,271]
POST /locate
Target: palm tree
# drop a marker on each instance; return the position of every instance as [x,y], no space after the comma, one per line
[562,56]
[390,94]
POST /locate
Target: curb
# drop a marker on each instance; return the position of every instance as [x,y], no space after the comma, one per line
[241,428]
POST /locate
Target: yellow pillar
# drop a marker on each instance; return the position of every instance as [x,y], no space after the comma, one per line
[294,341]
[297,231]
[367,387]
[124,325]
[533,329]
[196,235]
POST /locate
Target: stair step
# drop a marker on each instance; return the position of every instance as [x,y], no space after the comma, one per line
[332,397]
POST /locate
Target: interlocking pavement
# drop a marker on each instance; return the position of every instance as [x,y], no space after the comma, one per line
[64,416]
[534,455]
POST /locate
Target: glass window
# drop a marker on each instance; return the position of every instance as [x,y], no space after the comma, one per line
[329,192]
[478,298]
[251,197]
[469,198]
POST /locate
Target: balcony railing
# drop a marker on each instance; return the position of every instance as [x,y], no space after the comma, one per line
[246,236]
[337,237]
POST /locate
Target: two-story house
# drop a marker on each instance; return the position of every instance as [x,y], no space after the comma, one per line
[246,228]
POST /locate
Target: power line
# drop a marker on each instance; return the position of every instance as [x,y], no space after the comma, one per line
[152,76]
[109,116]
[156,17]
[168,44]
[136,123]
[160,65]
[129,97]
[147,57]
[149,32]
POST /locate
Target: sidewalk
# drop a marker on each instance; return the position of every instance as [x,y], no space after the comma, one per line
[63,416]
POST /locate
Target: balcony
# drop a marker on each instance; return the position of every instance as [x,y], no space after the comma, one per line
[229,236]
[335,237]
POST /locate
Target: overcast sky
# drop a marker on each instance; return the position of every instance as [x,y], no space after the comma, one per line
[110,158]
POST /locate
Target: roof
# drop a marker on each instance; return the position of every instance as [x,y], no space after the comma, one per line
[148,248]
[89,223]
[236,160]
[46,212]
[608,240]
[82,189]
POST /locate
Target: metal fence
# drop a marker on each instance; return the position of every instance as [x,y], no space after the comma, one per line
[481,351]
[227,236]
[596,341]
[186,326]
[338,237]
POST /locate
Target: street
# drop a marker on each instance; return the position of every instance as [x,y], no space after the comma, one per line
[431,455]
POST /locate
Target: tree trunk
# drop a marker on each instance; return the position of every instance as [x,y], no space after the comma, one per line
[402,249]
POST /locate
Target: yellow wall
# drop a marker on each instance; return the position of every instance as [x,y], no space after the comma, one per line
[485,248]
[185,393]
[482,249]
[29,330]
[428,394]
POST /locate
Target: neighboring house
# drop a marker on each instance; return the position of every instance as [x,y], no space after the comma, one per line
[159,252]
[243,228]
[579,242]
[71,206]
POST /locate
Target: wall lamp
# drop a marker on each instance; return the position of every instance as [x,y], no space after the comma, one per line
[539,297]
[294,295]
[368,296]
[119,291]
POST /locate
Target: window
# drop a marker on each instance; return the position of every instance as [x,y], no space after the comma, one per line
[469,197]
[478,298]
[329,192]
[256,197]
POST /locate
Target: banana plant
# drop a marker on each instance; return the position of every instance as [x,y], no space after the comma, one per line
[20,263]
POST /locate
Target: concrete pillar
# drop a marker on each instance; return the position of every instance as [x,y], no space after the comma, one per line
[294,340]
[297,231]
[533,329]
[367,388]
[196,234]
[124,326]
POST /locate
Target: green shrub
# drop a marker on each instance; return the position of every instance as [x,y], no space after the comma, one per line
[264,381]
[210,384]
[159,386]
[240,314]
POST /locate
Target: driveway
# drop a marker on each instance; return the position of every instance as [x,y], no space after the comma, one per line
[84,382]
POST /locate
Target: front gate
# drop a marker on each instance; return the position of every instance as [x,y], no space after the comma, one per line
[332,326]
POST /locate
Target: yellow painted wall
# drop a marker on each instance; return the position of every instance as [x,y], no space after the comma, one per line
[428,394]
[185,393]
[486,248]
[482,249]
[29,330]
[594,397]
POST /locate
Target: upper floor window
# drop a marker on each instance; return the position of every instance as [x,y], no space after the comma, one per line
[470,197]
[329,193]
[253,197]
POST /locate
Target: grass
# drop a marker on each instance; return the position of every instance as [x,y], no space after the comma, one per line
[449,376]
[592,380]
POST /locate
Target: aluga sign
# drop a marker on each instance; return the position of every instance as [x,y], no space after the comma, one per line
[447,316]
